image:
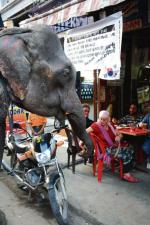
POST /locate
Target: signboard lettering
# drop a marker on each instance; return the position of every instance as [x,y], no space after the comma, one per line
[72,23]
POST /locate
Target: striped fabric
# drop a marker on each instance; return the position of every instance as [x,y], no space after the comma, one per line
[129,119]
[59,15]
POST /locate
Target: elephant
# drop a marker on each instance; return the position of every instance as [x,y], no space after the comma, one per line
[36,75]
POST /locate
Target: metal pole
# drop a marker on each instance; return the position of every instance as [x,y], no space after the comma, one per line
[95,95]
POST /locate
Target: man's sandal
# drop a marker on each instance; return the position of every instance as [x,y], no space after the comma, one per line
[130,178]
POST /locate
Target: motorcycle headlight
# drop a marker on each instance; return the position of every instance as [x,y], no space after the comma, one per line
[52,146]
[43,157]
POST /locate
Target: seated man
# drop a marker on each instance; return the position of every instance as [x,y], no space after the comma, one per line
[114,121]
[86,110]
[146,146]
[133,117]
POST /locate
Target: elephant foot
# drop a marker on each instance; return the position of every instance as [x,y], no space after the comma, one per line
[2,218]
[86,155]
[90,160]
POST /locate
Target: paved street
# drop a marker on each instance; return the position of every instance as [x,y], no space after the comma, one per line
[18,210]
[112,202]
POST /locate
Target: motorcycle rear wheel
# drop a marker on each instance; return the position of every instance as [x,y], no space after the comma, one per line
[58,199]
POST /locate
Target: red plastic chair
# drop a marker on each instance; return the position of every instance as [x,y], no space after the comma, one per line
[98,160]
[98,157]
[113,168]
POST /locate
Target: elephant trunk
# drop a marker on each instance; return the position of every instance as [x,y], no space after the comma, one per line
[73,108]
[78,127]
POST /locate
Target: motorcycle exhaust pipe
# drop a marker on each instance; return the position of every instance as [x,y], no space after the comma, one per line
[10,170]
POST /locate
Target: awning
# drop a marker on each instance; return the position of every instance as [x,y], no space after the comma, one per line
[75,8]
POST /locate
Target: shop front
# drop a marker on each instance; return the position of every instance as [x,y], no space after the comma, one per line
[135,53]
[140,69]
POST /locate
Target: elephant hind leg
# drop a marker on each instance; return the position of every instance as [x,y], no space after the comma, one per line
[2,139]
[4,105]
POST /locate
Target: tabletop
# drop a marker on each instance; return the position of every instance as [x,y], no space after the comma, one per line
[134,131]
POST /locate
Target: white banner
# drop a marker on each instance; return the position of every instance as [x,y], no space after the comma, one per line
[97,46]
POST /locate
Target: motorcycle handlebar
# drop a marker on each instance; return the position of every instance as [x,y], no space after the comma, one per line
[24,139]
[18,126]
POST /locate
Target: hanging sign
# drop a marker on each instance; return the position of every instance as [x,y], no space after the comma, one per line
[72,23]
[97,46]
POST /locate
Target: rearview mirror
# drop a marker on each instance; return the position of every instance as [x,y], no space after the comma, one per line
[58,125]
[16,126]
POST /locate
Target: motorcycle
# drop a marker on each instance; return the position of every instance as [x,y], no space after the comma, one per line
[34,164]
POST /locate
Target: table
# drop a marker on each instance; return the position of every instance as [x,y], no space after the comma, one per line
[134,131]
[134,136]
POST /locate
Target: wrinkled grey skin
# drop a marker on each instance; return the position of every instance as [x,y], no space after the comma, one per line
[36,75]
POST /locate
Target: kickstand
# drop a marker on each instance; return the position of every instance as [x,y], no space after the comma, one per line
[11,173]
[30,196]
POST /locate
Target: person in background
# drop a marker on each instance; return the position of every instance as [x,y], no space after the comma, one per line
[109,141]
[86,110]
[133,117]
[37,124]
[146,146]
[114,121]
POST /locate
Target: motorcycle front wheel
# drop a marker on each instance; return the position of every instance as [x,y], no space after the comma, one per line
[58,198]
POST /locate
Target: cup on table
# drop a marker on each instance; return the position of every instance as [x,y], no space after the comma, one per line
[132,127]
[144,125]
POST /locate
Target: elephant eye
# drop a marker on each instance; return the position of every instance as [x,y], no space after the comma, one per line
[66,72]
[63,75]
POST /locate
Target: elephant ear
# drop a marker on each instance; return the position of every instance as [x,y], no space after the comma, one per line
[15,62]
